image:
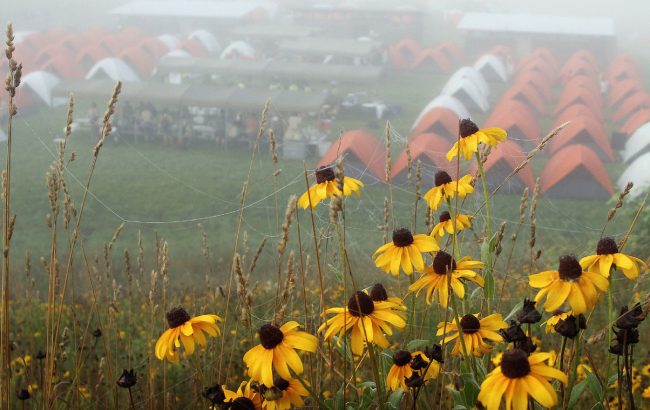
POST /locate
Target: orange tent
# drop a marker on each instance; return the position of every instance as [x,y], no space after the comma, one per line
[194,47]
[583,131]
[438,120]
[51,52]
[635,121]
[636,102]
[582,81]
[90,55]
[365,156]
[451,51]
[519,108]
[537,80]
[432,55]
[576,172]
[585,55]
[141,62]
[546,55]
[622,90]
[403,53]
[574,68]
[574,111]
[517,127]
[153,47]
[578,95]
[527,94]
[430,149]
[504,159]
[538,65]
[61,67]
[621,70]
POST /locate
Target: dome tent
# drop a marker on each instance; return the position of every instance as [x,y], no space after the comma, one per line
[466,91]
[112,68]
[637,145]
[583,131]
[471,74]
[365,156]
[41,84]
[445,101]
[501,162]
[439,120]
[638,172]
[492,68]
[207,39]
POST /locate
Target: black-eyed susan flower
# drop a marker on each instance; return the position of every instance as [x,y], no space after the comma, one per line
[446,272]
[404,366]
[608,256]
[277,351]
[185,330]
[445,223]
[553,320]
[245,398]
[474,332]
[367,320]
[404,251]
[284,394]
[326,187]
[447,188]
[569,284]
[571,325]
[471,136]
[516,378]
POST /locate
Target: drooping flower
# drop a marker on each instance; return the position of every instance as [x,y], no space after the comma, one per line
[471,136]
[285,394]
[570,326]
[447,188]
[326,187]
[528,313]
[404,251]
[245,398]
[277,351]
[405,364]
[445,223]
[128,379]
[516,378]
[446,272]
[607,257]
[553,320]
[474,332]
[368,321]
[569,284]
[187,331]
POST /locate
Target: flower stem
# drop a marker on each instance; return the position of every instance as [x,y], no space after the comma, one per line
[489,278]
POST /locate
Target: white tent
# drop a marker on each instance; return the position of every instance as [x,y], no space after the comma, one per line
[639,173]
[446,101]
[491,66]
[238,48]
[113,68]
[170,41]
[471,74]
[637,144]
[467,91]
[41,84]
[176,54]
[207,39]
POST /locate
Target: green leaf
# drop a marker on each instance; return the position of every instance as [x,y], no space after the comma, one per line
[514,310]
[576,392]
[598,406]
[612,379]
[594,386]
[470,387]
[417,344]
[395,398]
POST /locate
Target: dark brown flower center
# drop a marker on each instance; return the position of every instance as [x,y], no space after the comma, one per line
[280,383]
[378,293]
[324,174]
[606,246]
[441,178]
[443,263]
[270,336]
[467,127]
[444,217]
[570,268]
[177,316]
[401,358]
[360,304]
[470,324]
[242,403]
[514,364]
[402,237]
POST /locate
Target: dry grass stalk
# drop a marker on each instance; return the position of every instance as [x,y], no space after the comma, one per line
[384,226]
[533,222]
[409,164]
[256,257]
[336,203]
[289,286]
[619,204]
[282,245]
[244,294]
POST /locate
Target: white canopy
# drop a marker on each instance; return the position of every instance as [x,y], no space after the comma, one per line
[41,84]
[241,48]
[471,74]
[491,63]
[177,54]
[470,89]
[169,40]
[113,68]
[446,101]
[637,143]
[639,173]
[206,38]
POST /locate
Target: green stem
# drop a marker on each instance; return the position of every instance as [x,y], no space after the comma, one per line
[489,278]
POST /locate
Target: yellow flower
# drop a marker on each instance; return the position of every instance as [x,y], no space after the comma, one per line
[445,223]
[474,331]
[645,370]
[471,136]
[285,394]
[367,317]
[84,392]
[326,187]
[404,250]
[607,257]
[646,393]
[277,351]
[518,377]
[569,283]
[447,272]
[446,188]
[402,370]
[186,330]
[244,398]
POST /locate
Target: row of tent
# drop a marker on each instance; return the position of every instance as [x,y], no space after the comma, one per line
[408,54]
